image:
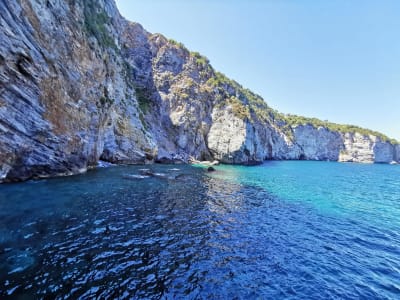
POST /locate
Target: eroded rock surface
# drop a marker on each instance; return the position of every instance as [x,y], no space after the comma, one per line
[79,83]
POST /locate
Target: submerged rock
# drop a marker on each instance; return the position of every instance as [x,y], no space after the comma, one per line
[183,177]
[146,172]
[134,176]
[104,164]
[160,175]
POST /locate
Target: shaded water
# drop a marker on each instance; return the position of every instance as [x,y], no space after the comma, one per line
[289,230]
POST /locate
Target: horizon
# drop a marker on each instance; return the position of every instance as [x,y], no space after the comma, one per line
[348,87]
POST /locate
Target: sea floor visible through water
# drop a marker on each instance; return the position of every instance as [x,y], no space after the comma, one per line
[281,230]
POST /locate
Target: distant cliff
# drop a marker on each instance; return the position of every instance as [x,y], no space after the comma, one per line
[79,83]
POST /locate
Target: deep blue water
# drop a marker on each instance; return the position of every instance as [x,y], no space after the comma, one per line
[282,230]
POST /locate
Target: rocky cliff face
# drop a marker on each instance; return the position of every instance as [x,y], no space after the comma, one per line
[397,153]
[65,97]
[318,143]
[79,83]
[359,148]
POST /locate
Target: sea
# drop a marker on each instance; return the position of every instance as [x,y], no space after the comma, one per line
[280,230]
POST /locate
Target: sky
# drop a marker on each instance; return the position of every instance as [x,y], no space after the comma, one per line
[336,60]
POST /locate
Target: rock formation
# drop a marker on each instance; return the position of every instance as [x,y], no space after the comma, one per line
[79,83]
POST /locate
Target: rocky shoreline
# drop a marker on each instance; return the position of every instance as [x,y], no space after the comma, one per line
[79,84]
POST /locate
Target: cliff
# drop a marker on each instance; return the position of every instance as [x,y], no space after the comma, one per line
[79,83]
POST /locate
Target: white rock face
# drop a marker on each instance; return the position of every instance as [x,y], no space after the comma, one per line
[318,143]
[384,152]
[227,137]
[397,153]
[357,148]
[366,149]
[4,171]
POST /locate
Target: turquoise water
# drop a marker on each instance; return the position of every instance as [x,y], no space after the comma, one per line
[282,230]
[359,191]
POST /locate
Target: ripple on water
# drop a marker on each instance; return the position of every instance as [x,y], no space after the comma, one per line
[236,233]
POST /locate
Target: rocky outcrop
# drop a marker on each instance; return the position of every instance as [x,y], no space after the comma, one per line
[65,101]
[397,153]
[79,83]
[318,143]
[367,149]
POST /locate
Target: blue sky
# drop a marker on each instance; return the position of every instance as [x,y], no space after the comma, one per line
[336,60]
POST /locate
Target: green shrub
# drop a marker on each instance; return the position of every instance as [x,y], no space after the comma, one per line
[201,60]
[177,44]
[143,99]
[238,108]
[248,104]
[294,120]
[96,23]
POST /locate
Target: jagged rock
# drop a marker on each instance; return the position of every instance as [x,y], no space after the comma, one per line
[146,172]
[104,164]
[79,83]
[397,153]
[318,143]
[65,99]
[204,162]
[366,149]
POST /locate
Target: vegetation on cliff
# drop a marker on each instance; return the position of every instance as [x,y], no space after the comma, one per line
[247,103]
[294,120]
[244,102]
[96,21]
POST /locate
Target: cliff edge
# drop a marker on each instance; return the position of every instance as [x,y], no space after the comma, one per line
[79,83]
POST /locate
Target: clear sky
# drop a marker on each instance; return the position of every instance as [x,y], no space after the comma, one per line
[337,60]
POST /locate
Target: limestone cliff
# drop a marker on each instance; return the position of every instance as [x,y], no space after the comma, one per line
[65,96]
[79,83]
[397,153]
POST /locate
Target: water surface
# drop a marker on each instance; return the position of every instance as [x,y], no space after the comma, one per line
[282,230]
